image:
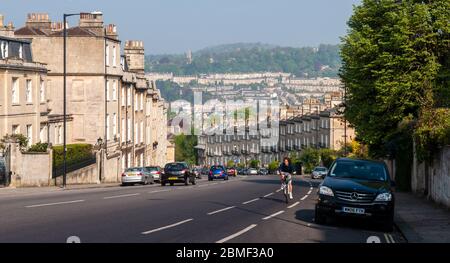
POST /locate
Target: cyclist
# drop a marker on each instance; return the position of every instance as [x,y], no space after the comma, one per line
[286,169]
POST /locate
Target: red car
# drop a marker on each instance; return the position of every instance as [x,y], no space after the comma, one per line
[231,171]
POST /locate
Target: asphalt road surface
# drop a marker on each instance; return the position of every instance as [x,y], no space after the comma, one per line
[242,210]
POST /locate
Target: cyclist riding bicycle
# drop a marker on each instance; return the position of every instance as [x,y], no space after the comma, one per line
[286,170]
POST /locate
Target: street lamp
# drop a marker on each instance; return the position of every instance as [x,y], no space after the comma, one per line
[65,16]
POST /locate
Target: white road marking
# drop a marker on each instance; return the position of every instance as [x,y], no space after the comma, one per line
[251,201]
[166,227]
[119,196]
[304,197]
[309,192]
[273,215]
[311,188]
[158,191]
[221,210]
[237,234]
[278,190]
[387,238]
[58,203]
[267,195]
[294,205]
[392,238]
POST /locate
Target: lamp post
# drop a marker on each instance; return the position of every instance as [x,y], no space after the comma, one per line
[65,16]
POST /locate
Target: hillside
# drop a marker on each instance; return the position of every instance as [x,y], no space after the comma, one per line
[323,61]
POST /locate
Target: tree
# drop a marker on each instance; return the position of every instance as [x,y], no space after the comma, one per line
[310,158]
[19,138]
[230,163]
[184,149]
[395,59]
[273,166]
[254,163]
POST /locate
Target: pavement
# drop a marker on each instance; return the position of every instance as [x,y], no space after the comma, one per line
[421,220]
[242,210]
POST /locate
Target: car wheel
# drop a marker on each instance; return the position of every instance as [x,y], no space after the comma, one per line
[163,183]
[171,184]
[186,182]
[388,225]
[319,218]
[123,184]
[210,179]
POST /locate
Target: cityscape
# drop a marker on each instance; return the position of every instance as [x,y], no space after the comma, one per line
[247,143]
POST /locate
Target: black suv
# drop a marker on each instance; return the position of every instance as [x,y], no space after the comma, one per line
[358,188]
[177,172]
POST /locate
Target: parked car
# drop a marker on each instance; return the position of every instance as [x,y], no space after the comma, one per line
[197,172]
[231,171]
[217,172]
[263,171]
[252,171]
[2,170]
[137,175]
[177,172]
[357,188]
[155,171]
[205,171]
[241,171]
[319,172]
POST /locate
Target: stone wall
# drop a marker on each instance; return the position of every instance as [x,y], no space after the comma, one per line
[433,180]
[86,175]
[30,169]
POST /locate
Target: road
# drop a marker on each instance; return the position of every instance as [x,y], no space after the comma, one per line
[241,210]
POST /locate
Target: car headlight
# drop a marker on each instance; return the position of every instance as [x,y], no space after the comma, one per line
[384,197]
[323,190]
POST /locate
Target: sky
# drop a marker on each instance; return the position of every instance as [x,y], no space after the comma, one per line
[176,26]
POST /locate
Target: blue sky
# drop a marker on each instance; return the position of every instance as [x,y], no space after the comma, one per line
[175,26]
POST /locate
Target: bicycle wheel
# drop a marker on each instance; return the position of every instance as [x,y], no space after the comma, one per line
[286,194]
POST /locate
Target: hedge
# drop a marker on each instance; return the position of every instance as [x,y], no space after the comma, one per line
[75,153]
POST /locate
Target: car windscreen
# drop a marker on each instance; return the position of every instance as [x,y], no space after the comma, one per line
[217,168]
[320,169]
[359,170]
[151,169]
[175,167]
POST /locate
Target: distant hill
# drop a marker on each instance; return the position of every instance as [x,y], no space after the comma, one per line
[323,61]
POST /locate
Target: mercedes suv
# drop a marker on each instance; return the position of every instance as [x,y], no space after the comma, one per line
[357,188]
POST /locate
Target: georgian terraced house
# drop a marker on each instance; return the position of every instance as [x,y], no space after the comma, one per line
[108,95]
[325,129]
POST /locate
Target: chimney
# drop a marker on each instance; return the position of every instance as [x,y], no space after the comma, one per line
[57,26]
[111,31]
[93,22]
[2,19]
[39,20]
[6,31]
[135,56]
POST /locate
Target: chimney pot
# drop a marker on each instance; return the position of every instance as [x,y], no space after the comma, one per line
[2,18]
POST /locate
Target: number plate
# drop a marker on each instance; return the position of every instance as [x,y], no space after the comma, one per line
[353,210]
[173,178]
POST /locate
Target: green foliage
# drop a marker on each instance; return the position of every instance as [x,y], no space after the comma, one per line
[254,163]
[395,65]
[327,157]
[184,149]
[19,138]
[75,153]
[38,147]
[433,131]
[241,165]
[273,166]
[230,163]
[310,158]
[251,58]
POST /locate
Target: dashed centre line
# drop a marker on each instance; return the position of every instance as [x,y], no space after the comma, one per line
[221,210]
[58,203]
[267,195]
[237,234]
[304,197]
[166,227]
[273,215]
[251,201]
[119,196]
[294,205]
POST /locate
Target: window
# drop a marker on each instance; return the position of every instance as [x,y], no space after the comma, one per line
[123,162]
[15,129]
[107,90]
[42,91]
[30,134]
[114,124]
[107,126]
[123,96]
[114,90]
[29,91]
[107,55]
[129,159]
[142,160]
[142,102]
[4,49]
[123,130]
[135,102]
[142,132]
[114,56]
[60,135]
[42,133]
[21,51]
[129,129]
[128,96]
[15,91]
[136,133]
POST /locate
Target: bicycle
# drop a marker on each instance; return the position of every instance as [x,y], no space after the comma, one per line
[285,184]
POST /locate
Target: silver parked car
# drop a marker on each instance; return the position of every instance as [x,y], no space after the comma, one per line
[319,172]
[154,171]
[137,175]
[252,171]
